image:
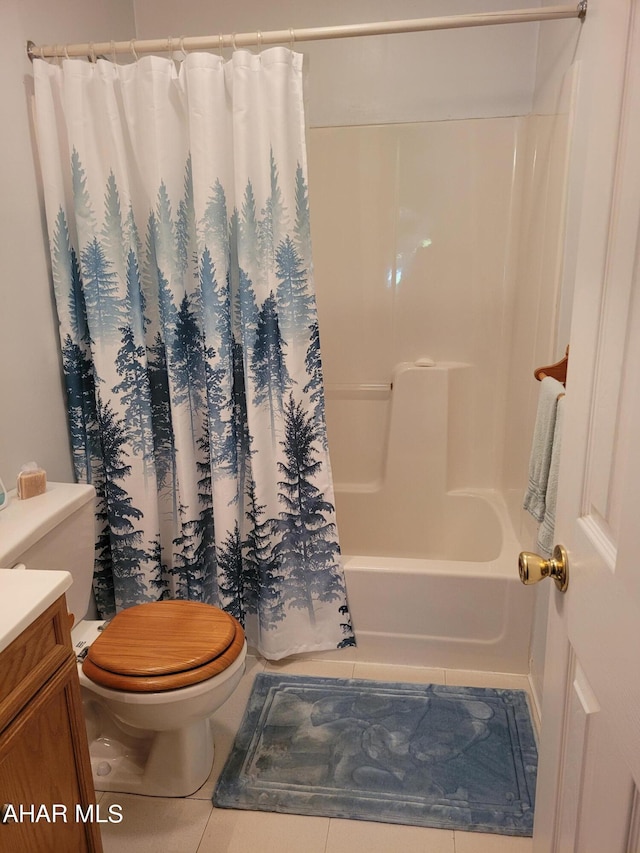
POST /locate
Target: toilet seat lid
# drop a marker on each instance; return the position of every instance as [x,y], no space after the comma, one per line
[163,638]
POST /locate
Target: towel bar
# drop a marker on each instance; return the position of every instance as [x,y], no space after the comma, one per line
[557,371]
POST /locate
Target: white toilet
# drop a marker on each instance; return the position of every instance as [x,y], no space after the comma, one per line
[152,677]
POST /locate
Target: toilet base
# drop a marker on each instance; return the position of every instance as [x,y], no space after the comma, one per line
[157,764]
[158,744]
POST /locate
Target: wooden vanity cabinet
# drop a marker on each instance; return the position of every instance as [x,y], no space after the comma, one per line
[44,755]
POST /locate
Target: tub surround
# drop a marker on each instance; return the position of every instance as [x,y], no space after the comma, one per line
[391,477]
[413,229]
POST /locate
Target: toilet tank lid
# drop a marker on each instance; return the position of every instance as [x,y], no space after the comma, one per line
[25,522]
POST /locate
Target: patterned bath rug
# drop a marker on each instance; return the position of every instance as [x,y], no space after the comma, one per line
[423,755]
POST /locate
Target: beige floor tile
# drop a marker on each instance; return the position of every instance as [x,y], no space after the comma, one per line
[320,668]
[151,824]
[388,672]
[500,680]
[237,831]
[358,836]
[480,842]
[190,824]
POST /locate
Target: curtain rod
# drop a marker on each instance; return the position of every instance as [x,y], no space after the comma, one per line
[137,46]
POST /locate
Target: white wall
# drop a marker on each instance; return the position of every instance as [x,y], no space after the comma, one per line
[33,424]
[470,73]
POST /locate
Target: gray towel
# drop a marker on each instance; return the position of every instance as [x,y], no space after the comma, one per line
[542,446]
[547,528]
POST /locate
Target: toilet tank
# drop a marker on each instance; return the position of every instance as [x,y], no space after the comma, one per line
[55,530]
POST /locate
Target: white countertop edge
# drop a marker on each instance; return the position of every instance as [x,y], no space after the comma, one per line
[24,595]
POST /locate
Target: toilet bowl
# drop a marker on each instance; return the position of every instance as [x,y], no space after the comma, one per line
[151,677]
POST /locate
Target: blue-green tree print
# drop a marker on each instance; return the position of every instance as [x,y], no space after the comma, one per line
[191,358]
[262,576]
[296,305]
[160,398]
[241,433]
[274,219]
[249,236]
[67,279]
[230,575]
[158,583]
[205,553]
[81,409]
[215,223]
[133,389]
[76,353]
[135,303]
[315,386]
[247,307]
[308,550]
[217,315]
[189,365]
[302,228]
[127,554]
[186,243]
[113,239]
[101,293]
[83,210]
[270,374]
[165,235]
[187,569]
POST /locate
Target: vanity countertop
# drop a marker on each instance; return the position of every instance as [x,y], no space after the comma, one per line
[24,595]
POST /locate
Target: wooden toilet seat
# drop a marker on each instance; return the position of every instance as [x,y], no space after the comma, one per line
[163,645]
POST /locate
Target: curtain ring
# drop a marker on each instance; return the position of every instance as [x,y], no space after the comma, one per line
[113,52]
[233,42]
[220,45]
[292,38]
[259,40]
[66,51]
[92,53]
[133,50]
[184,52]
[170,46]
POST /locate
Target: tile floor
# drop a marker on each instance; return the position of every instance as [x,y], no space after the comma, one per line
[192,825]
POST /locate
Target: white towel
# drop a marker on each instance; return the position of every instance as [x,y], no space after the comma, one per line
[547,528]
[540,460]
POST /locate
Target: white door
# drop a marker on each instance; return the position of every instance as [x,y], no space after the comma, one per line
[589,772]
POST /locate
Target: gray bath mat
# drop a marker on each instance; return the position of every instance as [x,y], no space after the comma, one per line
[423,755]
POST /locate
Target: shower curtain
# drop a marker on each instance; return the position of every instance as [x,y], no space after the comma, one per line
[178,219]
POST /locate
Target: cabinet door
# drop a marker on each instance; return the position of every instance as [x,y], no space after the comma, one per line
[42,766]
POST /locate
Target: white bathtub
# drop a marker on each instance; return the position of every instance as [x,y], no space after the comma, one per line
[468,611]
[431,572]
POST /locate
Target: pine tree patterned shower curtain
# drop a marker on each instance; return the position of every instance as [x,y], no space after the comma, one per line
[178,220]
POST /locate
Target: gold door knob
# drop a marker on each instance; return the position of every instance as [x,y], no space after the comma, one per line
[534,568]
